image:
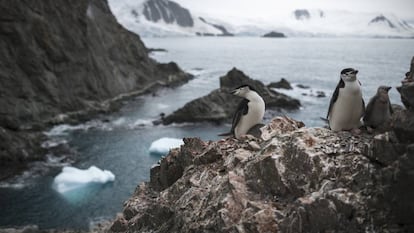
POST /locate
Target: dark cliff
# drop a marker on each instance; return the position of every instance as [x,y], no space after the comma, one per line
[167,11]
[60,58]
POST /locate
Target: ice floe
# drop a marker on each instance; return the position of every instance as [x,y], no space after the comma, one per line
[163,145]
[73,178]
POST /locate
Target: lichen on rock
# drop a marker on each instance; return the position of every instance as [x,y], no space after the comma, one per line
[293,179]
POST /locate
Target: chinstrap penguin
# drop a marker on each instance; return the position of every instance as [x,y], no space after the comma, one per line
[249,113]
[379,110]
[347,106]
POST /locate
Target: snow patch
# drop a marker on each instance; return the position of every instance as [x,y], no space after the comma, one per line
[163,145]
[73,178]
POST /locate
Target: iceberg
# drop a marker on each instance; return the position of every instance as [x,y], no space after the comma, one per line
[163,145]
[73,178]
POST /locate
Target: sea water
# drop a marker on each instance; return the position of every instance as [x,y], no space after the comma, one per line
[120,142]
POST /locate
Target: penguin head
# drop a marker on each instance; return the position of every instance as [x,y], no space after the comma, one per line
[383,89]
[242,90]
[349,74]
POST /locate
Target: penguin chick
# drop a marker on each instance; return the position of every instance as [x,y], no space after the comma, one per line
[347,105]
[249,113]
[379,108]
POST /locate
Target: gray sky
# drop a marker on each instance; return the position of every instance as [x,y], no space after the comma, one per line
[402,8]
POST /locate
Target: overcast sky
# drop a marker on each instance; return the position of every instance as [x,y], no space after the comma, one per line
[402,8]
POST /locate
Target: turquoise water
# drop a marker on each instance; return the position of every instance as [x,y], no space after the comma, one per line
[119,142]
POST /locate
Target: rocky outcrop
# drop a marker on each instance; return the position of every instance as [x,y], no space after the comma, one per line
[274,34]
[290,179]
[167,11]
[220,105]
[224,31]
[282,84]
[293,179]
[61,59]
[382,19]
[403,121]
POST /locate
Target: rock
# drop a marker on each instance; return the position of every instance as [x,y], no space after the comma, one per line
[167,11]
[282,84]
[63,61]
[403,125]
[320,94]
[220,105]
[299,180]
[403,119]
[224,31]
[274,34]
[303,86]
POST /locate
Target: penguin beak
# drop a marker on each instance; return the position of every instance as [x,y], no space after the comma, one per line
[355,72]
[233,92]
[388,88]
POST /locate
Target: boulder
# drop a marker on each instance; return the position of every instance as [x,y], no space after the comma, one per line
[292,179]
[282,84]
[220,105]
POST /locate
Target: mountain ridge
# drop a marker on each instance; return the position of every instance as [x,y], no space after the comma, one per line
[301,22]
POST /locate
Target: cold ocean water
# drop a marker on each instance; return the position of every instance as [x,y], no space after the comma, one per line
[120,142]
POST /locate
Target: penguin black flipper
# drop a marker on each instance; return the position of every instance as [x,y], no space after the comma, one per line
[241,110]
[335,95]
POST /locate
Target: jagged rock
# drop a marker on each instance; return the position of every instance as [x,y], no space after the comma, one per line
[220,105]
[282,84]
[167,11]
[406,90]
[403,120]
[62,61]
[274,34]
[299,180]
[382,19]
[223,30]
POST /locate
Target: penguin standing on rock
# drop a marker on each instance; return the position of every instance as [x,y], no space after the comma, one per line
[379,109]
[249,113]
[347,106]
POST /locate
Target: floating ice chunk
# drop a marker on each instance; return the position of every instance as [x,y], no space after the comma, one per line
[73,178]
[163,145]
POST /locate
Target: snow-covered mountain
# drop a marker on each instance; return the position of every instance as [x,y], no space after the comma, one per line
[168,18]
[163,18]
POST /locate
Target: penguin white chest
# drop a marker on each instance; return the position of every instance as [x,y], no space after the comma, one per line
[348,109]
[256,110]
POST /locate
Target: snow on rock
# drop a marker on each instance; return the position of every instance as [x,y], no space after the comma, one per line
[163,145]
[73,178]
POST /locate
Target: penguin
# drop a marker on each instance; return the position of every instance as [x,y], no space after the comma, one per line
[249,112]
[379,108]
[347,105]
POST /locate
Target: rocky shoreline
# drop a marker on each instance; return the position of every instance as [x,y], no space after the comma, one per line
[65,62]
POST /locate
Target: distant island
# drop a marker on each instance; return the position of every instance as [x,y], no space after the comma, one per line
[274,34]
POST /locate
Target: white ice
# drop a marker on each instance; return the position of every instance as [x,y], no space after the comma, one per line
[73,178]
[163,145]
